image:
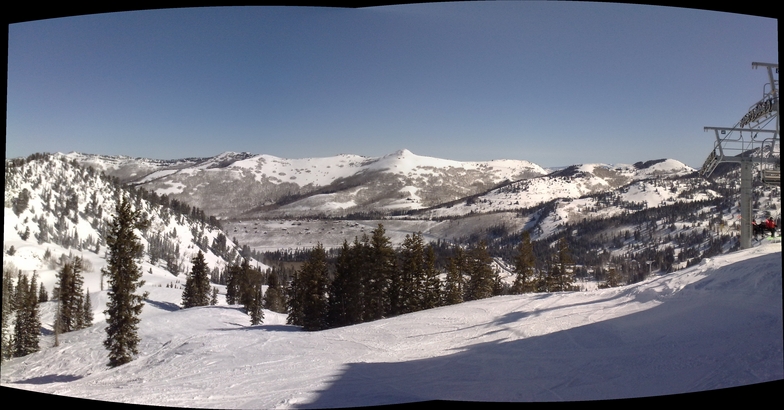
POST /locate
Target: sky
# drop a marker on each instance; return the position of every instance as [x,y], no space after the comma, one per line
[555,83]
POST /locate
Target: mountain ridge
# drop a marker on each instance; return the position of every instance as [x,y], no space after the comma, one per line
[270,187]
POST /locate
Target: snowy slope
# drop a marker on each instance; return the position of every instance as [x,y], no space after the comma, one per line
[79,232]
[711,326]
[578,181]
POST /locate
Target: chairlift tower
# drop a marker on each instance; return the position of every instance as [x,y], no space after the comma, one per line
[752,142]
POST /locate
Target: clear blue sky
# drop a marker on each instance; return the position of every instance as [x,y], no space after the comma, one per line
[556,83]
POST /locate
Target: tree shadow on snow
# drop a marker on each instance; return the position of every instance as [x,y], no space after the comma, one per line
[167,306]
[714,340]
[51,378]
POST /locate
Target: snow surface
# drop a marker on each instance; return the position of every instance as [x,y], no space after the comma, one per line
[714,325]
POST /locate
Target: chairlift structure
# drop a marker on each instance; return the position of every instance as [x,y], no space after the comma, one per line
[753,143]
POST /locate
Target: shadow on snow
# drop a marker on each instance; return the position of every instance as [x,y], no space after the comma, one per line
[730,336]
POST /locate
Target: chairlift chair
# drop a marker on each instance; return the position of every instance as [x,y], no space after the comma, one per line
[771,176]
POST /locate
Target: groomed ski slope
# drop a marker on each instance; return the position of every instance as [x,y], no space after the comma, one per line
[711,326]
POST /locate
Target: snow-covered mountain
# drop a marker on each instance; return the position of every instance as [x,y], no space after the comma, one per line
[231,185]
[244,186]
[579,181]
[56,208]
[712,326]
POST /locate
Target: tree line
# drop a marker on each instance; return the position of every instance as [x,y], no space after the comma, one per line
[371,280]
[21,322]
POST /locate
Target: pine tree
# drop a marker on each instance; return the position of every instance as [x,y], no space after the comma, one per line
[197,285]
[20,321]
[232,283]
[454,284]
[481,275]
[294,301]
[562,276]
[613,279]
[346,295]
[524,263]
[412,273]
[70,297]
[309,292]
[338,298]
[87,310]
[8,309]
[273,297]
[381,265]
[254,307]
[214,298]
[124,278]
[27,331]
[43,295]
[250,291]
[431,292]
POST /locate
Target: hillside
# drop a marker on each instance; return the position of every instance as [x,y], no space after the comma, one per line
[711,326]
[232,185]
[644,217]
[56,209]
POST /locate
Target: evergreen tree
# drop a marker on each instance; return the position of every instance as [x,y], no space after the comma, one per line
[431,292]
[381,265]
[197,285]
[232,283]
[454,284]
[563,274]
[524,263]
[28,323]
[8,309]
[20,204]
[254,306]
[613,279]
[481,275]
[338,298]
[214,298]
[309,292]
[243,287]
[294,301]
[70,296]
[249,281]
[87,310]
[412,273]
[20,321]
[43,295]
[355,286]
[124,278]
[345,291]
[273,298]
